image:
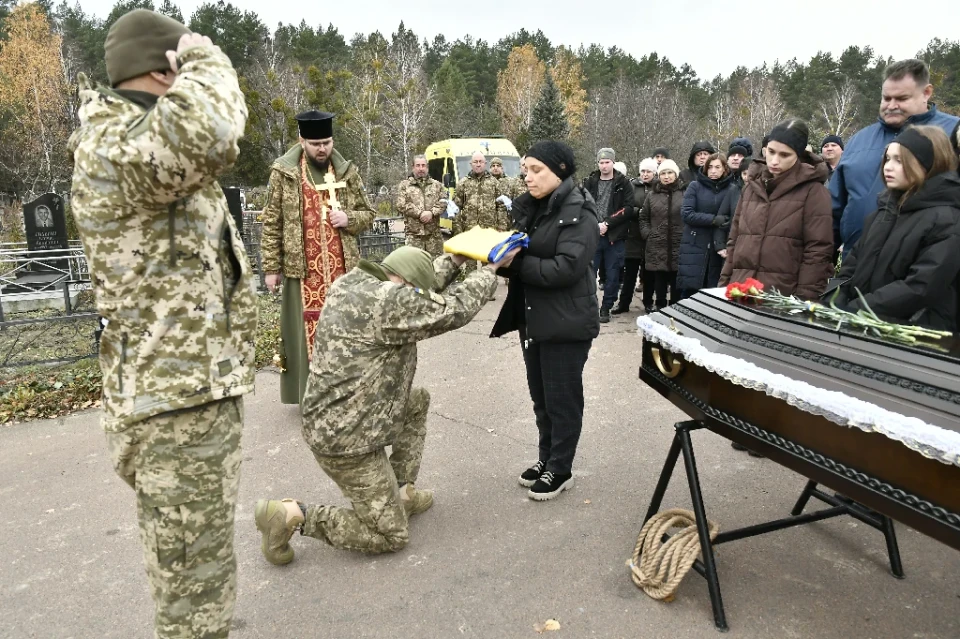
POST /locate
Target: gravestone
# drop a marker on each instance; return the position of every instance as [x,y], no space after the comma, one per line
[235,205]
[46,225]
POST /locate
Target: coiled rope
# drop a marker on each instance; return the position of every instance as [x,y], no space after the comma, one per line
[658,567]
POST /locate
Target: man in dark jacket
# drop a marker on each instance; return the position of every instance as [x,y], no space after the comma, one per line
[831,150]
[698,157]
[857,180]
[615,210]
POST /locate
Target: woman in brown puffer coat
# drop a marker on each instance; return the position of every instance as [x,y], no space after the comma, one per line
[661,226]
[782,233]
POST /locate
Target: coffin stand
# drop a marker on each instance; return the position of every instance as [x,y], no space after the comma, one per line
[892,455]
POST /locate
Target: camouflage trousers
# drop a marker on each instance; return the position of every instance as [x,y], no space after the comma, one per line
[377,523]
[432,243]
[185,468]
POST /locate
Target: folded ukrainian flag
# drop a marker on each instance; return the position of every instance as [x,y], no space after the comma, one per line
[485,245]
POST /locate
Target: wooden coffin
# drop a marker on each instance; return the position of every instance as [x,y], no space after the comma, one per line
[909,482]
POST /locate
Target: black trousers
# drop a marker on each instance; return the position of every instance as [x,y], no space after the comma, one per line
[632,267]
[657,282]
[555,379]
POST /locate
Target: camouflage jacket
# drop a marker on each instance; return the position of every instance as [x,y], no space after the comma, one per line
[414,197]
[476,196]
[362,371]
[519,187]
[281,245]
[167,263]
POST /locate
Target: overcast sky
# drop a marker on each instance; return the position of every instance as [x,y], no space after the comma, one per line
[713,37]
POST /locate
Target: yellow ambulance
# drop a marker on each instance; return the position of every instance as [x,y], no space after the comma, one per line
[449,160]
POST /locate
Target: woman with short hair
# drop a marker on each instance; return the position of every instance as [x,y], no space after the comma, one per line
[552,301]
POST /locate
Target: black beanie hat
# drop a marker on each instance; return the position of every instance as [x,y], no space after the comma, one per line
[736,149]
[137,43]
[661,150]
[793,133]
[836,139]
[557,156]
[919,145]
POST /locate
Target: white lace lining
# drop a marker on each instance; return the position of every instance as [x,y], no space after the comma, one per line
[929,440]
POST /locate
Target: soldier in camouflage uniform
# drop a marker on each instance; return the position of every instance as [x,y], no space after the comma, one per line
[422,200]
[360,400]
[174,284]
[476,196]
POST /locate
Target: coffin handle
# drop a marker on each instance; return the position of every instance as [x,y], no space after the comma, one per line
[675,365]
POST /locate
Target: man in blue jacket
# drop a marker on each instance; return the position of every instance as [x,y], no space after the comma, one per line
[856,182]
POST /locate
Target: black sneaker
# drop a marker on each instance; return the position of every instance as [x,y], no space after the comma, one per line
[604,315]
[619,310]
[648,310]
[530,476]
[550,486]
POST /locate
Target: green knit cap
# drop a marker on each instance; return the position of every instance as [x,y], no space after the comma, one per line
[137,43]
[412,264]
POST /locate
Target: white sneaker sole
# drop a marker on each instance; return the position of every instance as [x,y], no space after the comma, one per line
[526,483]
[567,485]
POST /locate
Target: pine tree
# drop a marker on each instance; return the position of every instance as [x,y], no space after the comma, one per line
[549,120]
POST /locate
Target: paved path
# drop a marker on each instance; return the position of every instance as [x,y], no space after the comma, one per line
[485,561]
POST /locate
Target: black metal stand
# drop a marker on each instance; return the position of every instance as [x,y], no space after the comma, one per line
[682,443]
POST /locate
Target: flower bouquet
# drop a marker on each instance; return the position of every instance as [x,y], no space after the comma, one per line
[864,321]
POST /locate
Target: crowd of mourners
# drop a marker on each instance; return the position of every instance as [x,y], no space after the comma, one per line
[871,223]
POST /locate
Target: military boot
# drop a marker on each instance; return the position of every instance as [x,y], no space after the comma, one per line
[277,521]
[415,501]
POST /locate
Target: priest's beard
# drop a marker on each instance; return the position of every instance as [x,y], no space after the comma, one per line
[321,166]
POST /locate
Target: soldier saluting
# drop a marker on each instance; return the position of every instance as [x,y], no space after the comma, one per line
[173,282]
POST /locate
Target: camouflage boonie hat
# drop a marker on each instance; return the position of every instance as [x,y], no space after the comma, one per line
[496,162]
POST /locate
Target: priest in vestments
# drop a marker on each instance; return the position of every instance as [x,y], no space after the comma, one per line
[316,208]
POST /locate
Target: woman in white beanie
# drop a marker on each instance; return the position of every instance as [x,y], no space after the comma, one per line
[633,247]
[661,226]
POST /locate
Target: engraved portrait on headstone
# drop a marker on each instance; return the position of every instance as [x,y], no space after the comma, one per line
[44,217]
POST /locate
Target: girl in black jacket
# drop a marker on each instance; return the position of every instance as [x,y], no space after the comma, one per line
[906,262]
[552,301]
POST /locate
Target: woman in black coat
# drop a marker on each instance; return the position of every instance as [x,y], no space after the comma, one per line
[700,265]
[634,246]
[552,301]
[907,260]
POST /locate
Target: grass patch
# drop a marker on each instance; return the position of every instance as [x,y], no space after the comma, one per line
[52,392]
[39,392]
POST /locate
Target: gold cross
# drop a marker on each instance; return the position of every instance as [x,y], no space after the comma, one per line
[330,185]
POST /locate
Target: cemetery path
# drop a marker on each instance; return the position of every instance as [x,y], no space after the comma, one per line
[485,561]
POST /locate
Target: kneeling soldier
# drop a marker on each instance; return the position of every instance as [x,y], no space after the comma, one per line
[360,399]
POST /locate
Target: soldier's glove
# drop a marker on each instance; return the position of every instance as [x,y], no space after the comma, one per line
[507,202]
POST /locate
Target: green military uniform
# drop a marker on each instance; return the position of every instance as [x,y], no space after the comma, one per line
[360,398]
[476,196]
[173,282]
[415,197]
[282,251]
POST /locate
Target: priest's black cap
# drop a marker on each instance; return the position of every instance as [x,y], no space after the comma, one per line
[315,125]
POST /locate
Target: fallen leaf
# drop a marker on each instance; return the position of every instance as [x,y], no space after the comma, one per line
[549,624]
[587,501]
[490,430]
